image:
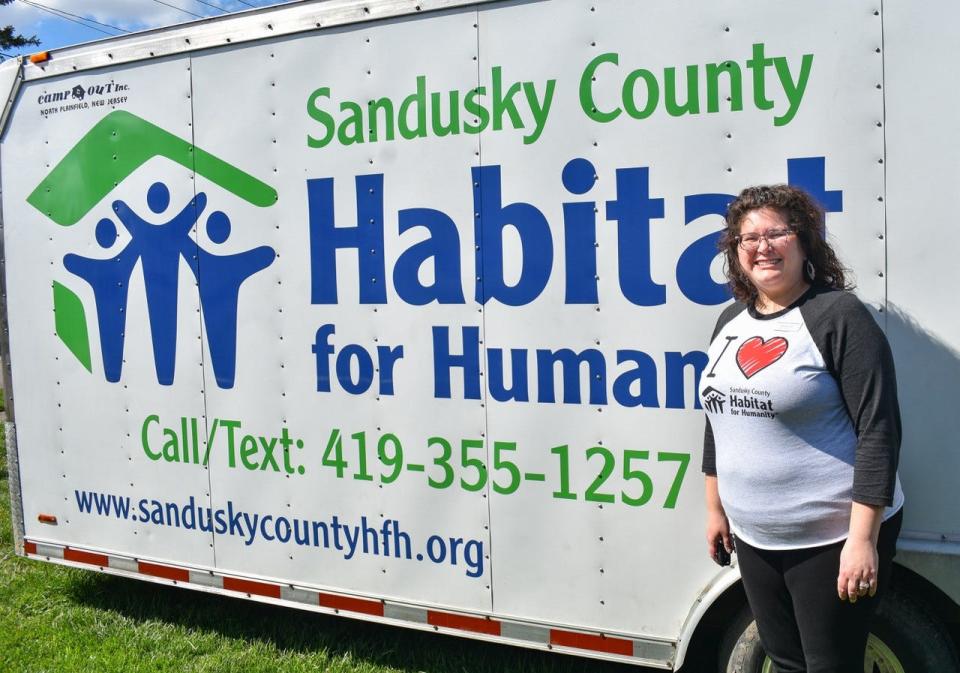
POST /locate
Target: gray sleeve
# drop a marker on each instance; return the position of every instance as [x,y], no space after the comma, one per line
[858,356]
[709,462]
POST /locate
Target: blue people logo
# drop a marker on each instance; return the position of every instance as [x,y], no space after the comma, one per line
[81,181]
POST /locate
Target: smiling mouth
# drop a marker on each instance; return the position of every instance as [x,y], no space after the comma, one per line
[772,261]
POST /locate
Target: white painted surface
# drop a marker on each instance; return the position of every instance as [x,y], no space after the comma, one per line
[596,564]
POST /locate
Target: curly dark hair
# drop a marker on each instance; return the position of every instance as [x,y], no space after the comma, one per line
[805,218]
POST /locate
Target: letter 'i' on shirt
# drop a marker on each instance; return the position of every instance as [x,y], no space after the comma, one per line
[802,419]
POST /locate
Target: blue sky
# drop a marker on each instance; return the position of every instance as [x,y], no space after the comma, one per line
[88,20]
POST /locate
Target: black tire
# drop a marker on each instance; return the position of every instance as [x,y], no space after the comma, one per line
[905,638]
[914,636]
[740,650]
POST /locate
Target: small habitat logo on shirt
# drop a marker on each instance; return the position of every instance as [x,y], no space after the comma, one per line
[713,400]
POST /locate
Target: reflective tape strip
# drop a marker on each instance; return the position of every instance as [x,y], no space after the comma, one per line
[206,579]
[405,613]
[590,641]
[251,587]
[87,557]
[127,564]
[464,622]
[528,632]
[166,572]
[299,595]
[48,550]
[351,604]
[654,650]
[647,650]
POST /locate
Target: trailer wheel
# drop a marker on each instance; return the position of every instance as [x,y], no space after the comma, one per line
[905,638]
[740,649]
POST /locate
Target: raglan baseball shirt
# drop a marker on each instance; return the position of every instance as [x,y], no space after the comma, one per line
[802,419]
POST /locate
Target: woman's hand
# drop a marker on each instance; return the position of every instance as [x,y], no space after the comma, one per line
[858,558]
[718,532]
[858,569]
[718,528]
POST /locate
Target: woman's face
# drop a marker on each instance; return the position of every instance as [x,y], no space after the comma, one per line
[775,269]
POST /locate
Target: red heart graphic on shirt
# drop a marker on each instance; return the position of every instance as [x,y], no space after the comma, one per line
[756,354]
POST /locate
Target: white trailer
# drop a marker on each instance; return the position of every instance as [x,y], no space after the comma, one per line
[395,309]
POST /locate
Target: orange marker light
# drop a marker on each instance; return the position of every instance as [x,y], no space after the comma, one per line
[47,518]
[40,57]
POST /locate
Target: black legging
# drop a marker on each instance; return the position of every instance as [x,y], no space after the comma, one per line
[804,626]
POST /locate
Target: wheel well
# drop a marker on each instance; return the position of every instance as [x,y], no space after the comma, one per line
[704,646]
[705,643]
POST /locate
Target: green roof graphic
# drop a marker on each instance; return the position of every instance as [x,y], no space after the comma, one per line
[114,148]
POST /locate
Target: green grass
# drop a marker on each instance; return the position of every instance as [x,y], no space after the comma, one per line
[54,618]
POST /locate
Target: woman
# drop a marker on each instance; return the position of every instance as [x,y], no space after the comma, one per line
[802,436]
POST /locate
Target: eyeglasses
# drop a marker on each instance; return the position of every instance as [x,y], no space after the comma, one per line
[774,237]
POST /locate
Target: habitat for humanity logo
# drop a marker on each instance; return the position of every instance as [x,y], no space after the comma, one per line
[713,400]
[108,154]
